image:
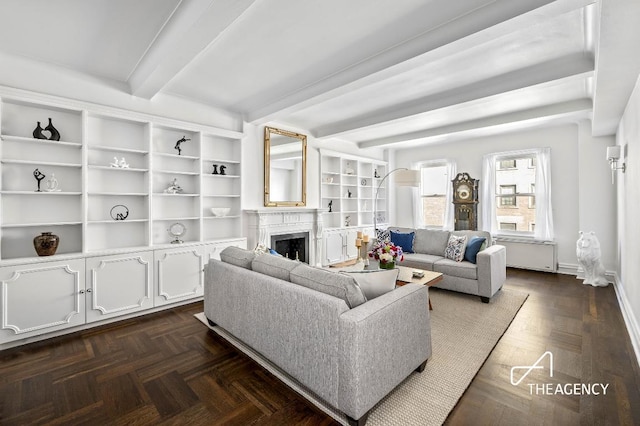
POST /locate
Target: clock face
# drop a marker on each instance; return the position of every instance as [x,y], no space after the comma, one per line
[463,192]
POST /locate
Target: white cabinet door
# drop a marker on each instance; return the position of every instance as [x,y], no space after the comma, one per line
[119,284]
[40,298]
[212,251]
[333,247]
[178,274]
[350,242]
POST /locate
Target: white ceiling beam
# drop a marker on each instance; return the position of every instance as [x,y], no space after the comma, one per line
[618,64]
[569,111]
[459,33]
[577,66]
[192,28]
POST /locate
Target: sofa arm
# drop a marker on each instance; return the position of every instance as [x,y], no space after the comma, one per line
[492,270]
[383,341]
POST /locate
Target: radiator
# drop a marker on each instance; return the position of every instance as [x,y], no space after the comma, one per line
[536,255]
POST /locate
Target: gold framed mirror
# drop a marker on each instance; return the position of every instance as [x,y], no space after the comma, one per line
[285,168]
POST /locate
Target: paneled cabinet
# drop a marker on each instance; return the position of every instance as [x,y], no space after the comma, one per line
[118,284]
[39,299]
[340,245]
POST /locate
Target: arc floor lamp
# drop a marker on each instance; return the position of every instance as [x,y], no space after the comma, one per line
[403,177]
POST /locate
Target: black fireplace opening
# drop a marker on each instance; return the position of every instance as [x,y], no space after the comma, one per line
[294,246]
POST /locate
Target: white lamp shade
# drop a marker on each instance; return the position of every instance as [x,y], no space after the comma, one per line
[407,178]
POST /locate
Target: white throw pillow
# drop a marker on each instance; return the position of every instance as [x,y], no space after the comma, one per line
[455,247]
[375,283]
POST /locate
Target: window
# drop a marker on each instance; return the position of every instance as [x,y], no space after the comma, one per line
[507,164]
[432,201]
[433,190]
[505,190]
[511,182]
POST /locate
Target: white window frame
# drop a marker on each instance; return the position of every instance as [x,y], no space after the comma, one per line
[543,229]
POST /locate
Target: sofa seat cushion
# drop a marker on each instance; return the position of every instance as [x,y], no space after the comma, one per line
[452,268]
[274,266]
[334,284]
[420,261]
[431,241]
[374,283]
[237,256]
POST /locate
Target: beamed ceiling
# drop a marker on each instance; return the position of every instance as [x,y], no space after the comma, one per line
[388,73]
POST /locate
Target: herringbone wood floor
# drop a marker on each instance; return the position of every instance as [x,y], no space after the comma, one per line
[167,368]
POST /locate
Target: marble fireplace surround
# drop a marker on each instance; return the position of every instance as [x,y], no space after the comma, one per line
[264,223]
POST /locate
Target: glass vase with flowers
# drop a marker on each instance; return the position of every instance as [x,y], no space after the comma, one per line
[386,253]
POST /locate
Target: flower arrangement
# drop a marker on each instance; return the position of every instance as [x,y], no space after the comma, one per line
[386,253]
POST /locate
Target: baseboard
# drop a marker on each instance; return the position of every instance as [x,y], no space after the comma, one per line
[629,318]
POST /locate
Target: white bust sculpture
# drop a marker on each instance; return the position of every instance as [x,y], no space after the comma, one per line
[588,252]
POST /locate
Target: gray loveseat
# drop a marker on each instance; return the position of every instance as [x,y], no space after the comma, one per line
[484,278]
[349,351]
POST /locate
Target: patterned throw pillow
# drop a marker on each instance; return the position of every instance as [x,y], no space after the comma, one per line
[455,247]
[383,235]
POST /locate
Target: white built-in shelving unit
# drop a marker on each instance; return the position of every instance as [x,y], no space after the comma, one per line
[107,267]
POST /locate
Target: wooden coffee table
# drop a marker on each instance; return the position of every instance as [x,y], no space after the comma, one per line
[430,278]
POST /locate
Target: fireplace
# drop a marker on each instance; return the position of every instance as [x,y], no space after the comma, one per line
[294,246]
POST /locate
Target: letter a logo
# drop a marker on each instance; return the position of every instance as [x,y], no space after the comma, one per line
[536,365]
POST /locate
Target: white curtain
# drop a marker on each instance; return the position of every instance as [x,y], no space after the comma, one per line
[417,194]
[544,210]
[487,194]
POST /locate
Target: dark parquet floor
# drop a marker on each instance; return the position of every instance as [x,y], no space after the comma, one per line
[167,368]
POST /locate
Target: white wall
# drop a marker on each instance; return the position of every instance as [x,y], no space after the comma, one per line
[572,156]
[628,232]
[253,163]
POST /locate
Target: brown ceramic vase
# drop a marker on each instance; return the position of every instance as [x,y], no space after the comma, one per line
[46,244]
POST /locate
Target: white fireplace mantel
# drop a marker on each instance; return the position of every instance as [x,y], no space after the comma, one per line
[263,223]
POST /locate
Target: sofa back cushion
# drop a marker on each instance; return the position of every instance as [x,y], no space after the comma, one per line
[374,283]
[332,283]
[274,266]
[237,256]
[431,241]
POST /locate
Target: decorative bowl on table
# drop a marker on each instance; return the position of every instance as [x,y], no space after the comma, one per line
[220,211]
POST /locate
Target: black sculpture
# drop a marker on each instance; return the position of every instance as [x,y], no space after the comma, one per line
[348,193]
[330,205]
[55,135]
[215,170]
[375,173]
[222,170]
[179,142]
[39,176]
[37,132]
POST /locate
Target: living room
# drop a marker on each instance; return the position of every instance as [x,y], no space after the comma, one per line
[398,84]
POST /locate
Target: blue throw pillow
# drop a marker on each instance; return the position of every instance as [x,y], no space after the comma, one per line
[273,252]
[473,247]
[404,240]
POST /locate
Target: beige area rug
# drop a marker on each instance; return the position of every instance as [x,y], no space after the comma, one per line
[464,332]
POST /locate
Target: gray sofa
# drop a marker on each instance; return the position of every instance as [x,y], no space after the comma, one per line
[484,278]
[317,326]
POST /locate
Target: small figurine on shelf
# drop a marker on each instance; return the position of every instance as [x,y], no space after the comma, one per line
[215,170]
[37,132]
[348,193]
[180,142]
[39,176]
[52,184]
[55,135]
[347,221]
[123,164]
[348,170]
[115,163]
[375,173]
[222,168]
[173,188]
[330,205]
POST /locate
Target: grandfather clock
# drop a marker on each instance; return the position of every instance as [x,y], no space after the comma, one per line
[465,202]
